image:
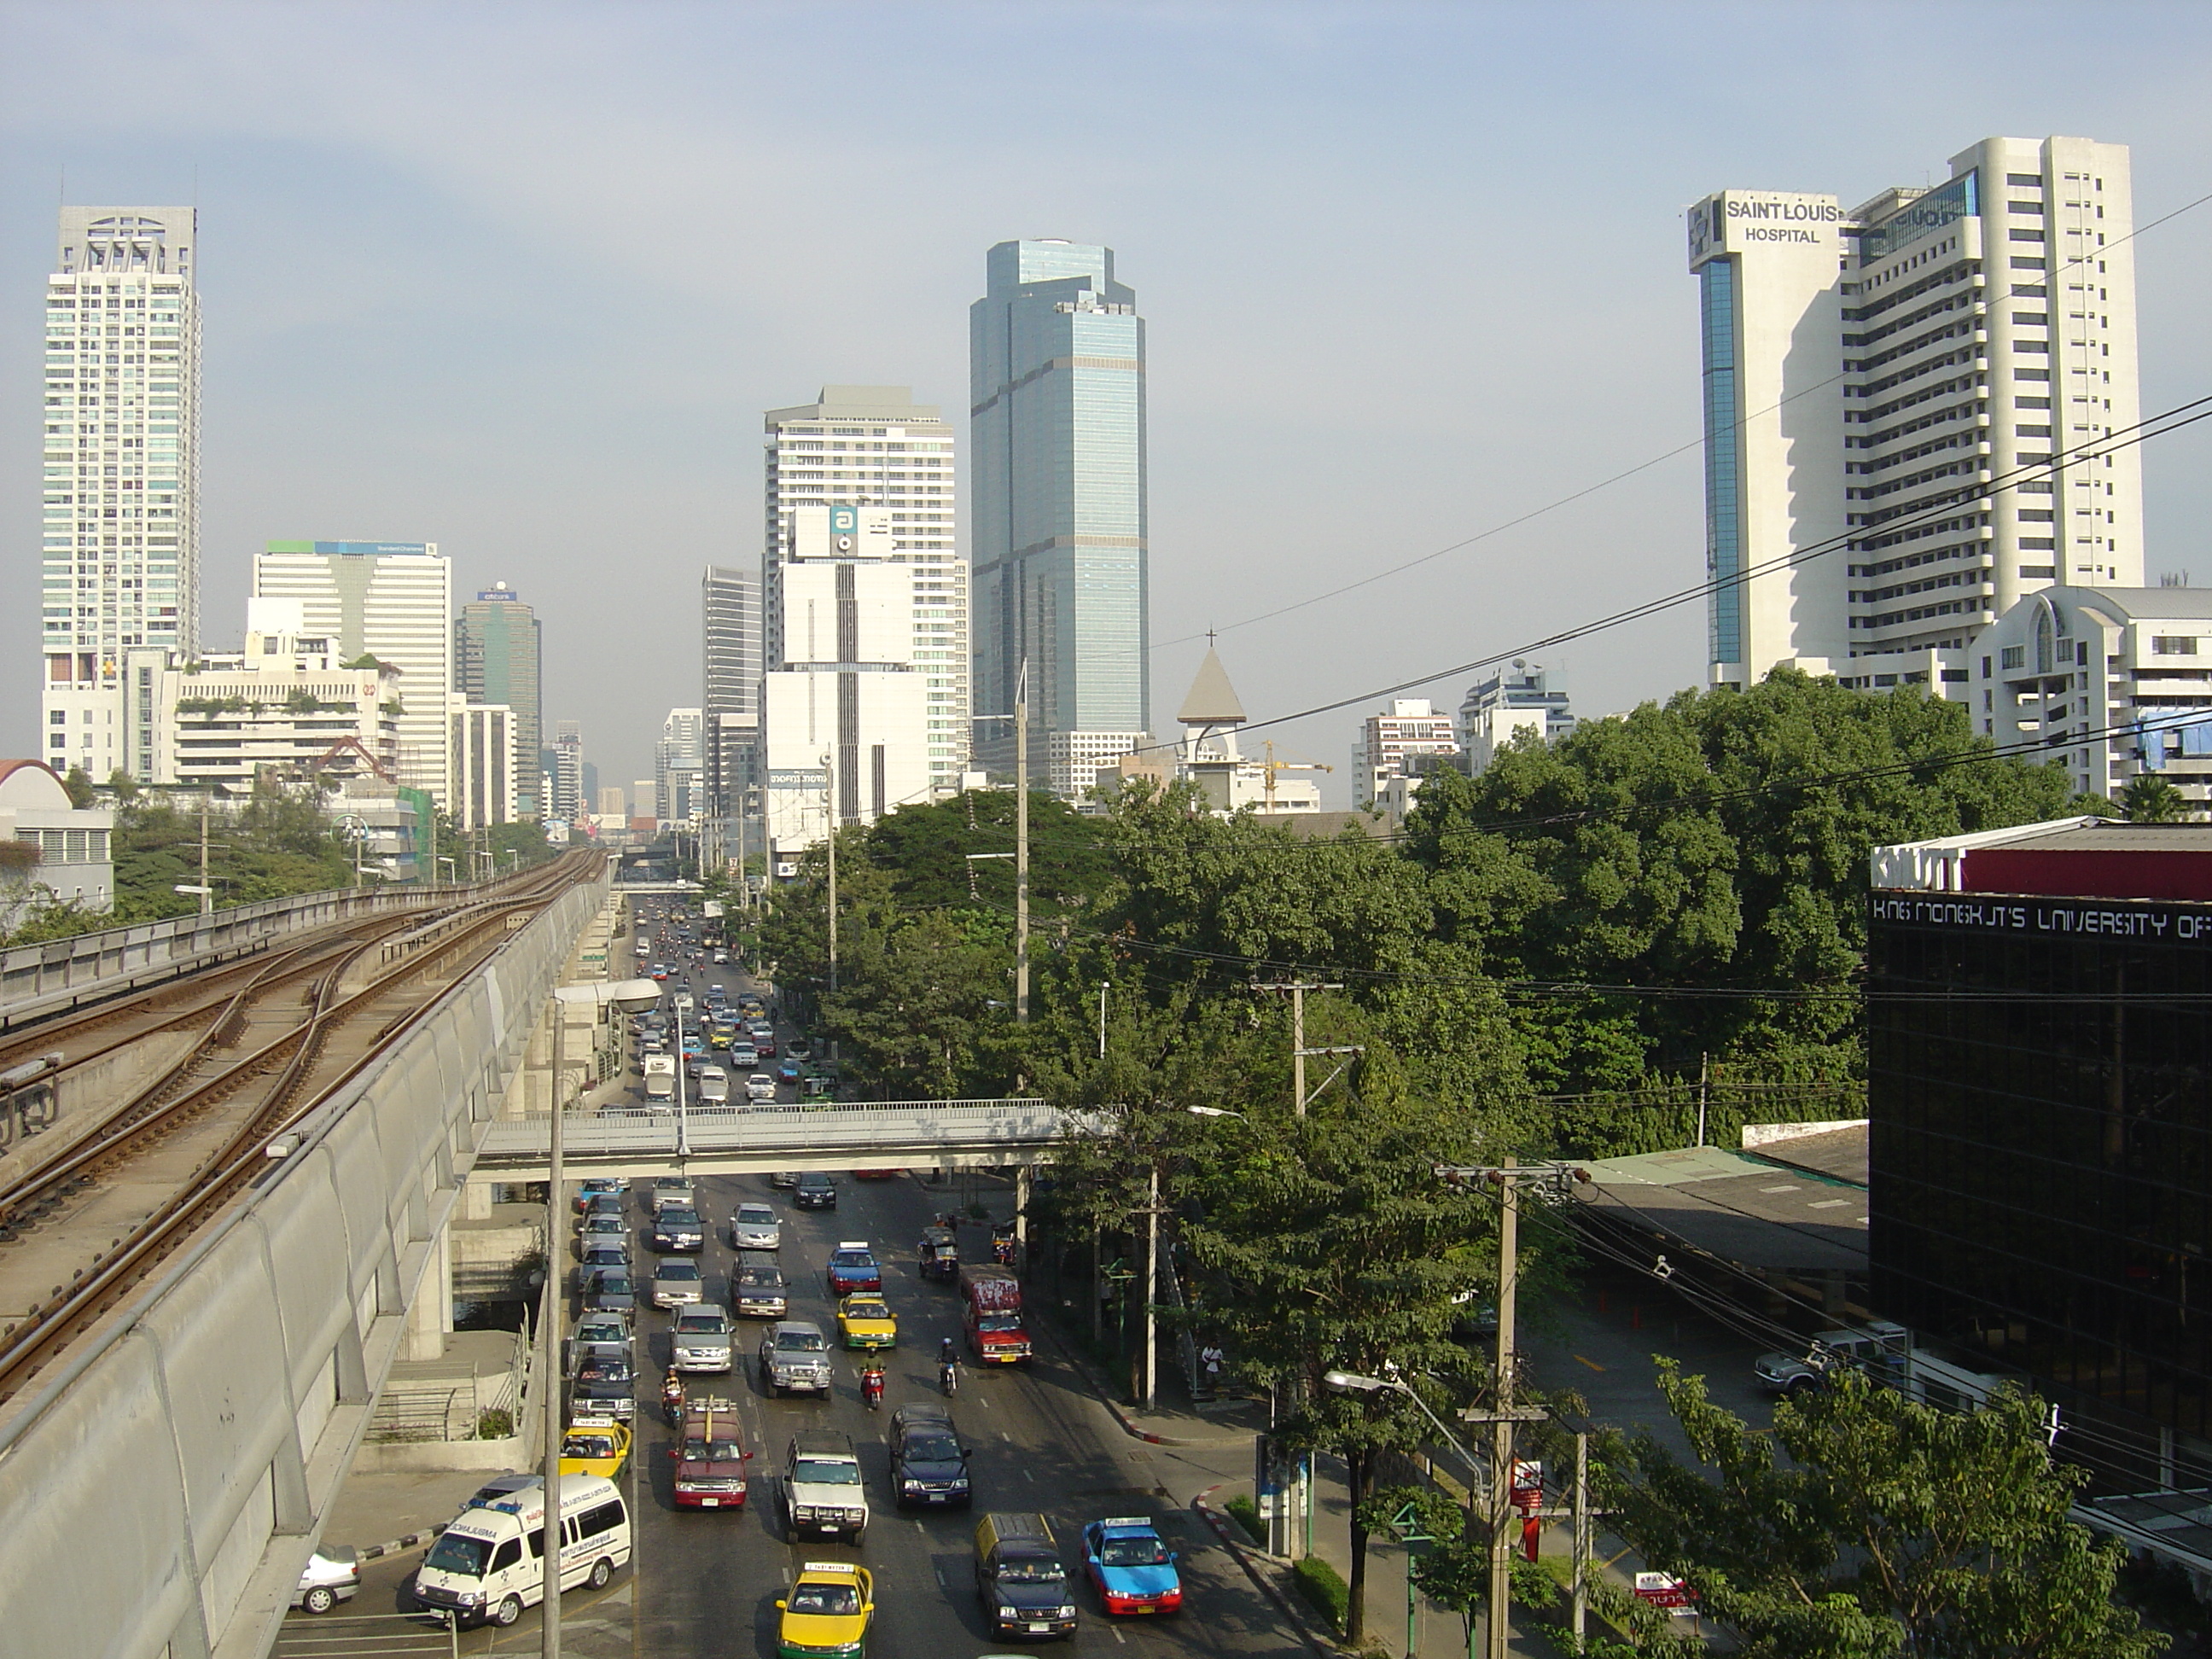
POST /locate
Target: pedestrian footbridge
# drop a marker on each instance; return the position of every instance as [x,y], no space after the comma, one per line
[950,1135]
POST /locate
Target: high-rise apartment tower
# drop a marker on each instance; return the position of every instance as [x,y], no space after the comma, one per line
[392,601]
[120,567]
[1056,394]
[498,657]
[730,622]
[1905,407]
[873,446]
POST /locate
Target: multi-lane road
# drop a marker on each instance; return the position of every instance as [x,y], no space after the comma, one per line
[706,1581]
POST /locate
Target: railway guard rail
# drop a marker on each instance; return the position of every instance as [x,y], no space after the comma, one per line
[166,1481]
[40,980]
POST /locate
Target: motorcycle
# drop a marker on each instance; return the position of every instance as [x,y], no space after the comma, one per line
[672,1398]
[872,1385]
[948,1377]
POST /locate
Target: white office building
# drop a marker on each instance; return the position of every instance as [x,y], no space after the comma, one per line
[1389,740]
[484,750]
[394,601]
[2112,682]
[1903,404]
[120,567]
[873,446]
[845,716]
[1524,697]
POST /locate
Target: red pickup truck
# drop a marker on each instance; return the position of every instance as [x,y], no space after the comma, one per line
[710,1462]
[993,1319]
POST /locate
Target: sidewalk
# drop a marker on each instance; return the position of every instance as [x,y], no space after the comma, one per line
[388,1514]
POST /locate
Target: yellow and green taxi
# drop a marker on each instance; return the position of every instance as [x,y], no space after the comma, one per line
[864,1321]
[594,1445]
[827,1612]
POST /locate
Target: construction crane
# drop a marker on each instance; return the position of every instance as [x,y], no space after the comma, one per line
[1272,766]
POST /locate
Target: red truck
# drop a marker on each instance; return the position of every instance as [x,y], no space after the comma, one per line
[710,1463]
[993,1296]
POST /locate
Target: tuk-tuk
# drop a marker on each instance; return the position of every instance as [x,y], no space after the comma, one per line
[818,1085]
[939,1252]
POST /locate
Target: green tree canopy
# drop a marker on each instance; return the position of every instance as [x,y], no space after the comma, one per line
[1884,1528]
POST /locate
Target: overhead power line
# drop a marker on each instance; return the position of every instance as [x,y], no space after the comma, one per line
[1602,485]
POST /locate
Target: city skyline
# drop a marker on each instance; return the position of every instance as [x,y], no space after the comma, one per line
[1354,270]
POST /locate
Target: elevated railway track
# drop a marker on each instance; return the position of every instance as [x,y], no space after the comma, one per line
[260,1043]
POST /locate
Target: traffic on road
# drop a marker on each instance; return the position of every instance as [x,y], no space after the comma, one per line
[827,1435]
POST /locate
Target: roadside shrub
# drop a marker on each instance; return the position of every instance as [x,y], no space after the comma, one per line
[1248,1517]
[494,1426]
[1324,1587]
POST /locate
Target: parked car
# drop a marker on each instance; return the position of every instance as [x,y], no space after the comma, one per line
[600,1333]
[852,1266]
[827,1610]
[595,1187]
[610,1291]
[604,1386]
[701,1342]
[332,1575]
[755,1227]
[756,1286]
[1131,1569]
[1020,1578]
[822,1492]
[929,1466]
[677,1283]
[794,1357]
[610,1254]
[678,1230]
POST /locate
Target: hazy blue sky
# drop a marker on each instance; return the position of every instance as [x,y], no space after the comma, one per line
[519,279]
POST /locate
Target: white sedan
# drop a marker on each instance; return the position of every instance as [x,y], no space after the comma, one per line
[760,1087]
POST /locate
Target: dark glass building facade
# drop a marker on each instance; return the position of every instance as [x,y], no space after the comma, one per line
[2041,1149]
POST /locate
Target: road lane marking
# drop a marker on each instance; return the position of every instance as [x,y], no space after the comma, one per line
[1118,1636]
[1592,1363]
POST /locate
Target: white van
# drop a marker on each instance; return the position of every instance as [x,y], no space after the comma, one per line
[489,1564]
[714,1085]
[660,1077]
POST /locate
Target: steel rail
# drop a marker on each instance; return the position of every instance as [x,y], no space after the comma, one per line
[26,1346]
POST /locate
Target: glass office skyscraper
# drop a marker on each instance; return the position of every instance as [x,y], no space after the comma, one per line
[1057,377]
[498,645]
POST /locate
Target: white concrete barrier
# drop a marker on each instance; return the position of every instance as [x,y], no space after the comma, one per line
[160,1491]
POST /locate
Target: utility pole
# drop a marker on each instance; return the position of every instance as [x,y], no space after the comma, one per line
[1022,846]
[1580,1546]
[829,803]
[1501,1444]
[1104,986]
[550,1363]
[1153,1286]
[1297,988]
[1508,1178]
[1704,1072]
[207,892]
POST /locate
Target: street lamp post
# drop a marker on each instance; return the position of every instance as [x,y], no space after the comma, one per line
[1391,1381]
[628,996]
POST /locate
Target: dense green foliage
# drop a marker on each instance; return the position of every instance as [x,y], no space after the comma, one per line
[1550,962]
[1884,1527]
[276,843]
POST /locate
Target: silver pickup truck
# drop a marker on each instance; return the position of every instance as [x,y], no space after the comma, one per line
[795,1356]
[1880,1350]
[701,1342]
